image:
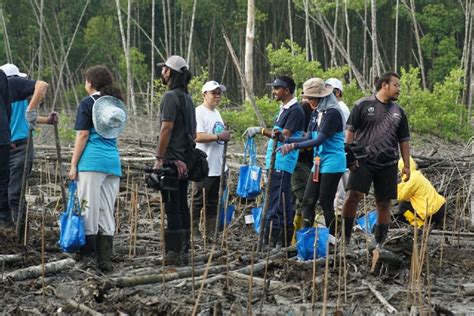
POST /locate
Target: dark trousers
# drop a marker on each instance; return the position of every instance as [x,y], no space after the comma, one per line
[4,176]
[176,207]
[436,218]
[281,185]
[298,183]
[17,165]
[211,186]
[324,190]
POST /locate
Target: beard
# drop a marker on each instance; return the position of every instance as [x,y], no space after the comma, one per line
[393,98]
[164,81]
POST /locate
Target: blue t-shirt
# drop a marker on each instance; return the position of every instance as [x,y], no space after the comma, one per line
[291,119]
[331,151]
[20,90]
[100,154]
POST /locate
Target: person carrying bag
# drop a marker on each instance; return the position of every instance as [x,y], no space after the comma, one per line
[250,174]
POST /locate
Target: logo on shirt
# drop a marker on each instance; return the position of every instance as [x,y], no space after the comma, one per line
[217,129]
[371,110]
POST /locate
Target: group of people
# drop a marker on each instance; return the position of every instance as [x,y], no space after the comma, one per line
[318,140]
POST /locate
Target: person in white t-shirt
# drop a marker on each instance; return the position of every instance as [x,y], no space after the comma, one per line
[210,138]
[336,84]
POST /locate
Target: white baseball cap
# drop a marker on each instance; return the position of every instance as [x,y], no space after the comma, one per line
[12,70]
[211,86]
[175,62]
[335,83]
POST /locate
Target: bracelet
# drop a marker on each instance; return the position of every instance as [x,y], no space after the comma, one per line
[262,130]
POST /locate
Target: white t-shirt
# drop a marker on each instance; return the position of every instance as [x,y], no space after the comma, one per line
[210,122]
[345,110]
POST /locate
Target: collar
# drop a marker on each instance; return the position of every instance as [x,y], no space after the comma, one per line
[289,104]
[96,93]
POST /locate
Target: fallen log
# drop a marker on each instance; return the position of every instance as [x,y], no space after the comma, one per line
[467,289]
[83,308]
[35,271]
[11,258]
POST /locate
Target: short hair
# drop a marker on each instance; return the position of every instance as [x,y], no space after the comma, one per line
[290,83]
[385,78]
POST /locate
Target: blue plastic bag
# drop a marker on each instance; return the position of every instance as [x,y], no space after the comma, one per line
[371,221]
[72,235]
[257,217]
[250,174]
[305,242]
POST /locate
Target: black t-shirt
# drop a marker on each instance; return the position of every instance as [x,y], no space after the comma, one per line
[84,113]
[306,154]
[5,110]
[20,88]
[171,110]
[379,128]
[330,123]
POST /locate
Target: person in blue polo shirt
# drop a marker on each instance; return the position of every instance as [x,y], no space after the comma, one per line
[290,123]
[326,134]
[23,118]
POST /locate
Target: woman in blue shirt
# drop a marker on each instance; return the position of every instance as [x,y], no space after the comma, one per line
[326,134]
[96,166]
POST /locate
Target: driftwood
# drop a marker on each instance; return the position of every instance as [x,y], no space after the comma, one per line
[83,308]
[35,271]
[11,258]
[467,289]
[380,297]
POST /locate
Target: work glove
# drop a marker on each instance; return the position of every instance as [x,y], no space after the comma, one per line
[252,131]
[224,136]
[350,157]
[31,117]
[286,148]
[53,118]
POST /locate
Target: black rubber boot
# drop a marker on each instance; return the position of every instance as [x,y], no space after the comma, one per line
[105,246]
[380,231]
[173,246]
[87,252]
[274,240]
[186,245]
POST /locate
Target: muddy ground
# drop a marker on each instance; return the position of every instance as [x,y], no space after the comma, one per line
[433,276]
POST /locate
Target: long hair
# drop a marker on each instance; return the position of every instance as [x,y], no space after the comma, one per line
[103,81]
[179,79]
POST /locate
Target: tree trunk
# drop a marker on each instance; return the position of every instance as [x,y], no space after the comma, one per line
[364,58]
[290,22]
[165,26]
[40,46]
[8,51]
[395,57]
[375,64]
[348,37]
[306,28]
[260,119]
[334,32]
[411,10]
[191,31]
[249,39]
[466,60]
[152,56]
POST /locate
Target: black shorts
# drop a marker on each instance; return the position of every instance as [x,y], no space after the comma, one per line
[384,179]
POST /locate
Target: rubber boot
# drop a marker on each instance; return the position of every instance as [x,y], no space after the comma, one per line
[380,232]
[186,245]
[87,252]
[104,253]
[173,246]
[211,228]
[290,229]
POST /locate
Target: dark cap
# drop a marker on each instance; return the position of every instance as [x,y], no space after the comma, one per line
[278,83]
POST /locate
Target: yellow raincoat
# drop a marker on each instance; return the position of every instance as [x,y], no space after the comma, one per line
[419,192]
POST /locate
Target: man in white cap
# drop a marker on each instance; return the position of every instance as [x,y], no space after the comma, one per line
[336,84]
[210,138]
[24,117]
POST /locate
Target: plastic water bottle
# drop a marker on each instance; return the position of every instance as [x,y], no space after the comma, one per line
[317,161]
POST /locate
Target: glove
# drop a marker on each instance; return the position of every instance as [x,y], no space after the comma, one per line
[224,136]
[53,118]
[31,117]
[252,131]
[350,157]
[286,148]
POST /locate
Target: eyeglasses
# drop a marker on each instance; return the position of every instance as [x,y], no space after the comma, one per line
[215,93]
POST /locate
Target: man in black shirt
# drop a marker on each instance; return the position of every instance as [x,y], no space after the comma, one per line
[377,126]
[5,113]
[178,119]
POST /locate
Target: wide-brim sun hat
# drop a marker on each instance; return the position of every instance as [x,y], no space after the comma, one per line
[316,88]
[109,116]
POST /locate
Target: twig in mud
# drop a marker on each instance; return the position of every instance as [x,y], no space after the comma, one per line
[196,304]
[42,252]
[380,297]
[326,279]
[366,229]
[191,218]
[147,197]
[163,245]
[249,303]
[266,264]
[284,230]
[315,246]
[204,217]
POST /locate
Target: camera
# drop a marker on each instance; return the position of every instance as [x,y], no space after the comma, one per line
[165,178]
